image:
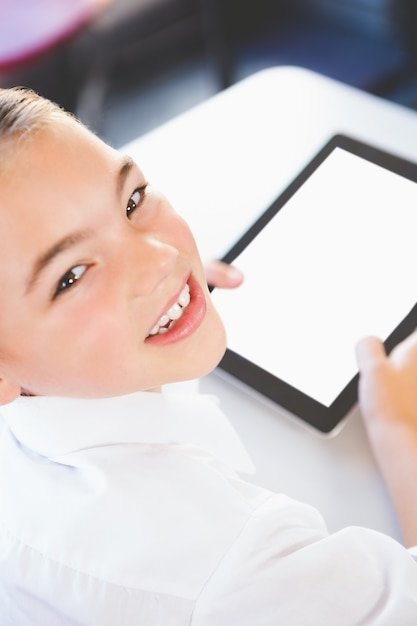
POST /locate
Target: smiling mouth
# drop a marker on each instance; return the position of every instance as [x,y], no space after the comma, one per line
[168,320]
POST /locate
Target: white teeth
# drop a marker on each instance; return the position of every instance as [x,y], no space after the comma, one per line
[173,314]
[184,299]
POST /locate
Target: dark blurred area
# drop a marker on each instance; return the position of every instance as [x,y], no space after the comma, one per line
[370,44]
[77,51]
[80,52]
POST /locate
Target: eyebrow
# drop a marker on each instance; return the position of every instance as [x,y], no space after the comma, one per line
[126,166]
[75,238]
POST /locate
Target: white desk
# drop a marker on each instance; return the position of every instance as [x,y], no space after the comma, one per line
[221,164]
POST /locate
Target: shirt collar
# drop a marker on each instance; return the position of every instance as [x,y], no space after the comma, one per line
[53,426]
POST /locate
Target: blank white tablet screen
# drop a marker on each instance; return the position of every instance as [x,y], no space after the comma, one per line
[337,262]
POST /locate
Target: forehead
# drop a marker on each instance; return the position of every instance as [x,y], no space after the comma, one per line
[59,163]
[60,146]
[56,181]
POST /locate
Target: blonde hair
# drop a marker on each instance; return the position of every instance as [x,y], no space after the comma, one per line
[22,111]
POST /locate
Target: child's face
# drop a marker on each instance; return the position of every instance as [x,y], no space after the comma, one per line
[90,261]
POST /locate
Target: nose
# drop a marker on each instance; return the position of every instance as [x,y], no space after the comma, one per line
[147,262]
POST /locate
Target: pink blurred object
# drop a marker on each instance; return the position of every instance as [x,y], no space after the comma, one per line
[29,28]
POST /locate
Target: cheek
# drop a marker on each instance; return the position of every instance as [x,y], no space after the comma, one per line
[91,336]
[97,356]
[101,334]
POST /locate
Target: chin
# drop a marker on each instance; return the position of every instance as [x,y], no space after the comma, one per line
[198,363]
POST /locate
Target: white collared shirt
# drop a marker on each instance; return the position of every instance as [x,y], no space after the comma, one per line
[127,511]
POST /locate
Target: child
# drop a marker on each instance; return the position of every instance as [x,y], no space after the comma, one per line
[119,506]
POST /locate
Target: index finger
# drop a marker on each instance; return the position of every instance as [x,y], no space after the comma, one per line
[369,352]
[220,274]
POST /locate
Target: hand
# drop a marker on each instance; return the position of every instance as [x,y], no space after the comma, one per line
[219,274]
[388,385]
[388,401]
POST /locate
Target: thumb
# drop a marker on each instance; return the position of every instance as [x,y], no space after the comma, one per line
[219,274]
[370,351]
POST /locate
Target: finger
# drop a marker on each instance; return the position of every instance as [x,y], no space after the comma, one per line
[219,274]
[369,352]
[407,347]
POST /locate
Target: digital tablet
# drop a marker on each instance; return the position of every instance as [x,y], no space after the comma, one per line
[332,260]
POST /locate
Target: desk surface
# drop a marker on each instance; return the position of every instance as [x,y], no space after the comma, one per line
[221,164]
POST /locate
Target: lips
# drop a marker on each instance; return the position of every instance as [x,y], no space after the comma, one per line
[182,318]
[174,313]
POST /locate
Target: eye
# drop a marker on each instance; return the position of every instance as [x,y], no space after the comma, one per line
[69,279]
[135,200]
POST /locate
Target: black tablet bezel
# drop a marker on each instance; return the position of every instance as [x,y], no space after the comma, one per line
[323,418]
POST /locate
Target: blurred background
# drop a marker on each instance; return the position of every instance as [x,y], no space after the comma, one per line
[126,66]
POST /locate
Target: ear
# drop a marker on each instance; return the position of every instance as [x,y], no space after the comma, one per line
[9,390]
